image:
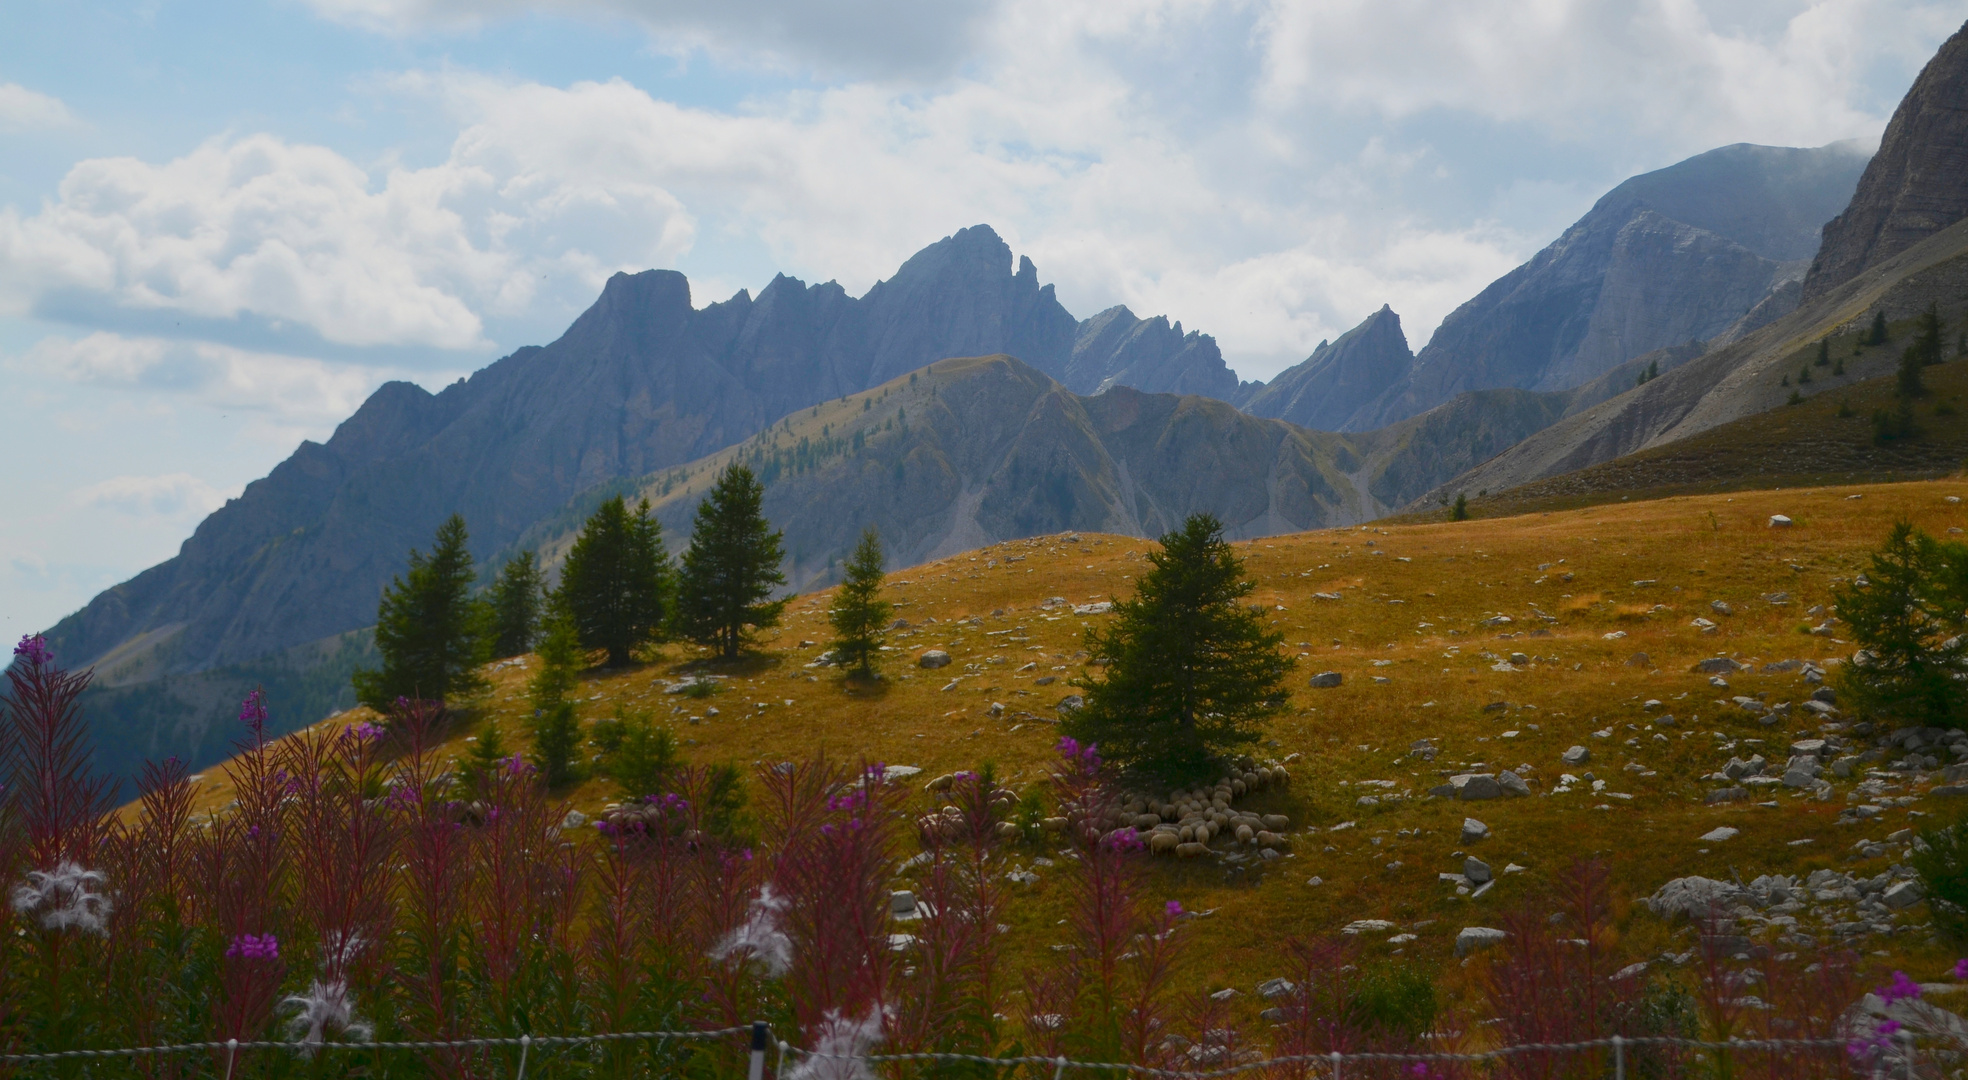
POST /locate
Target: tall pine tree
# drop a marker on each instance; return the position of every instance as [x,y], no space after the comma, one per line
[859,614]
[517,597]
[731,566]
[428,630]
[615,584]
[1191,671]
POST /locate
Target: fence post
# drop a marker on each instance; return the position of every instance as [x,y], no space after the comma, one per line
[1906,1051]
[1060,1072]
[1337,1057]
[1619,1058]
[757,1071]
[525,1046]
[232,1050]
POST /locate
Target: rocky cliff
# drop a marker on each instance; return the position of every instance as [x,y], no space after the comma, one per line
[1329,388]
[1115,348]
[1915,186]
[1680,254]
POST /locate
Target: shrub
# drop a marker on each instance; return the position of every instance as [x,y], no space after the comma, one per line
[1909,620]
[636,752]
[1941,860]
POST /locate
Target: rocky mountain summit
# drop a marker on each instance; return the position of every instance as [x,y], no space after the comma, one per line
[1915,186]
[1341,377]
[1677,255]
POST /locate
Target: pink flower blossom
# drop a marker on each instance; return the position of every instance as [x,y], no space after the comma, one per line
[34,649]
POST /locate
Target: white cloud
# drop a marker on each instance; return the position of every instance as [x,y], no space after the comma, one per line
[22,109]
[884,36]
[172,495]
[289,391]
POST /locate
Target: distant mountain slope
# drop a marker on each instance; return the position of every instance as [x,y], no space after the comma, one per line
[641,381]
[1915,186]
[1328,388]
[1680,254]
[1114,348]
[973,451]
[1750,376]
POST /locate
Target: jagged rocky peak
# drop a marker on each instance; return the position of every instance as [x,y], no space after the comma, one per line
[1329,389]
[1915,186]
[1116,348]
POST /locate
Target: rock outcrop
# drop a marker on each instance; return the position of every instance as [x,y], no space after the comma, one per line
[1114,348]
[1340,378]
[1915,186]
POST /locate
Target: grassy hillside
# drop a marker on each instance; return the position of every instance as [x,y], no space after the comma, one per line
[1827,437]
[1598,601]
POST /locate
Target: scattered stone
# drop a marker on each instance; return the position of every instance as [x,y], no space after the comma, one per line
[1779,521]
[902,905]
[900,772]
[1727,795]
[574,820]
[1476,870]
[1577,755]
[1366,926]
[1070,703]
[1101,608]
[1473,938]
[1902,895]
[1703,625]
[1721,607]
[934,658]
[1272,989]
[1473,830]
[1476,786]
[1691,896]
[1325,680]
[1718,665]
[1512,784]
[1719,834]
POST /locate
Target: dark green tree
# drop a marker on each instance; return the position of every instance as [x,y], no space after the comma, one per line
[1191,671]
[1909,384]
[1911,621]
[639,754]
[1460,511]
[556,728]
[484,755]
[428,631]
[731,566]
[859,614]
[1876,334]
[518,595]
[1930,337]
[1824,352]
[615,584]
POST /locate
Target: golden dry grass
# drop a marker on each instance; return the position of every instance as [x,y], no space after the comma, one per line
[1414,599]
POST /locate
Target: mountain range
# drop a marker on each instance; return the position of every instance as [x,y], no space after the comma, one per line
[958,403]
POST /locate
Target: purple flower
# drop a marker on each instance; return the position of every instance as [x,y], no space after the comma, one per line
[1900,989]
[366,731]
[1961,968]
[34,647]
[1173,908]
[254,947]
[253,712]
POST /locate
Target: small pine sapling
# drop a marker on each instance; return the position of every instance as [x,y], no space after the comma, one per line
[556,728]
[859,615]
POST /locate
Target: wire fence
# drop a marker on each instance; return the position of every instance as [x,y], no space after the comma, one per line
[1333,1063]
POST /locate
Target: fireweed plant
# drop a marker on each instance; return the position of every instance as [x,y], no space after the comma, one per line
[361,887]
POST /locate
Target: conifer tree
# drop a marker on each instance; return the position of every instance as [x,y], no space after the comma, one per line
[1929,337]
[1876,334]
[556,729]
[517,597]
[1824,352]
[483,756]
[428,630]
[731,566]
[859,614]
[1909,617]
[616,582]
[1460,511]
[1191,671]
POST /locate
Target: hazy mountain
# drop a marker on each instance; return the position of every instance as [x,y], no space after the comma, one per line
[1915,186]
[1114,348]
[1677,255]
[1899,246]
[973,451]
[1331,387]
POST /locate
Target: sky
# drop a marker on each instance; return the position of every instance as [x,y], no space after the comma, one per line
[223,224]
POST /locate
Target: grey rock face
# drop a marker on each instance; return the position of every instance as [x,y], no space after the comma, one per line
[1915,186]
[1340,377]
[1326,680]
[1682,253]
[1115,348]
